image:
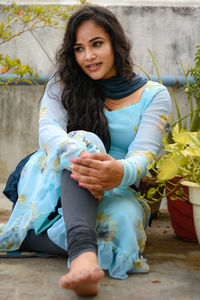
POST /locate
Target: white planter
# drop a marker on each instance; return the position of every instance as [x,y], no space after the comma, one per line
[194,198]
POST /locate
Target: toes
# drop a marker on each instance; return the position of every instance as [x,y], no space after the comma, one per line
[63,282]
[83,282]
[97,274]
[68,280]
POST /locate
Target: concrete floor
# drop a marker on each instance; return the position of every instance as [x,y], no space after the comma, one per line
[175,271]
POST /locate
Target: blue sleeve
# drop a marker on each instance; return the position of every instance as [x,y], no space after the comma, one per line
[53,138]
[148,141]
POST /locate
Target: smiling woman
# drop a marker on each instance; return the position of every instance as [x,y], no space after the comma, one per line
[94,51]
[99,130]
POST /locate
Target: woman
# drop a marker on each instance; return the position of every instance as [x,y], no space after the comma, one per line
[100,128]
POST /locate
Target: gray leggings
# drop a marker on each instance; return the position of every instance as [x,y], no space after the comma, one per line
[79,211]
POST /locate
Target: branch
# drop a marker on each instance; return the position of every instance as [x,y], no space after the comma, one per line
[28,29]
[174,123]
[11,22]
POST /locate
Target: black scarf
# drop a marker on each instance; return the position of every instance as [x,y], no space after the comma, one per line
[117,88]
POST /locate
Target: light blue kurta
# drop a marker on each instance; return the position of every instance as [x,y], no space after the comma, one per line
[136,137]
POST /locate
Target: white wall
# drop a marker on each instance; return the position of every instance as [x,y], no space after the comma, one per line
[170,30]
[111,2]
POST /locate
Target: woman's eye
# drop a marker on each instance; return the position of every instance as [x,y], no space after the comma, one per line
[97,44]
[78,49]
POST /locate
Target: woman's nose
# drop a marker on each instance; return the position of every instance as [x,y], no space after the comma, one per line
[90,54]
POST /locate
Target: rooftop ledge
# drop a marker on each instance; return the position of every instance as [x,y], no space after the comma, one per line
[166,3]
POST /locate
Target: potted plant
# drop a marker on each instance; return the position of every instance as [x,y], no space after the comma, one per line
[177,168]
[170,174]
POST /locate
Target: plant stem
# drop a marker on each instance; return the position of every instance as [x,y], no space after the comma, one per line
[195,121]
[11,22]
[189,96]
[154,62]
[196,110]
[25,30]
[177,108]
[143,71]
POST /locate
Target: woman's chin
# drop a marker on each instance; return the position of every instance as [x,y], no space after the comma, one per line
[94,76]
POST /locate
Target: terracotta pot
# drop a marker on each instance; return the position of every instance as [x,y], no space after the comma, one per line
[181,212]
[145,184]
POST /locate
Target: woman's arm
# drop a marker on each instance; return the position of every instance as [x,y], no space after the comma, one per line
[148,141]
[53,137]
[102,172]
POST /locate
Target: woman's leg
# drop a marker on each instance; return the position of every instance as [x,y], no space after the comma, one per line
[79,211]
[41,243]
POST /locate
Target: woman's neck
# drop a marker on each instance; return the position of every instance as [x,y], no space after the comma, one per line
[117,88]
[135,97]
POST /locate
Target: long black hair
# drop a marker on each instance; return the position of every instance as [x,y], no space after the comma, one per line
[81,95]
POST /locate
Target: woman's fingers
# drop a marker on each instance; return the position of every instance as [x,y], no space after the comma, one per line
[90,163]
[92,187]
[97,195]
[92,160]
[95,189]
[99,174]
[86,179]
[97,156]
[90,167]
[84,170]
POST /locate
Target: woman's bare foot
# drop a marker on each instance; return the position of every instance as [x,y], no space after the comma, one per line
[83,276]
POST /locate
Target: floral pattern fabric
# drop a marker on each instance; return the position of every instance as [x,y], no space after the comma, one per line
[136,137]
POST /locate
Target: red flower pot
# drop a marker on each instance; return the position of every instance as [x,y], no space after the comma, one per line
[181,212]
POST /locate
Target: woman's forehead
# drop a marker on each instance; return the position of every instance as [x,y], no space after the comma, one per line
[89,30]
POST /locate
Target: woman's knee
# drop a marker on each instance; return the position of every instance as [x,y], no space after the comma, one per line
[93,143]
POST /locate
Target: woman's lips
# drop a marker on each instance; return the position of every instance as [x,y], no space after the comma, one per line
[93,67]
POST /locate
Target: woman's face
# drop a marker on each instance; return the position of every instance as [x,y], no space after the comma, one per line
[93,51]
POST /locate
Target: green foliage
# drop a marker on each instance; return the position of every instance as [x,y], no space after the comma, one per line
[192,91]
[193,95]
[20,19]
[182,158]
[182,147]
[17,68]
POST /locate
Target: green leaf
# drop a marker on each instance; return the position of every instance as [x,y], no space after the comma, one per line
[8,19]
[27,80]
[169,168]
[164,141]
[2,25]
[175,131]
[151,192]
[184,138]
[174,148]
[191,151]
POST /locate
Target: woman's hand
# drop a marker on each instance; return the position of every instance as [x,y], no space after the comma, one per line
[96,171]
[96,194]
